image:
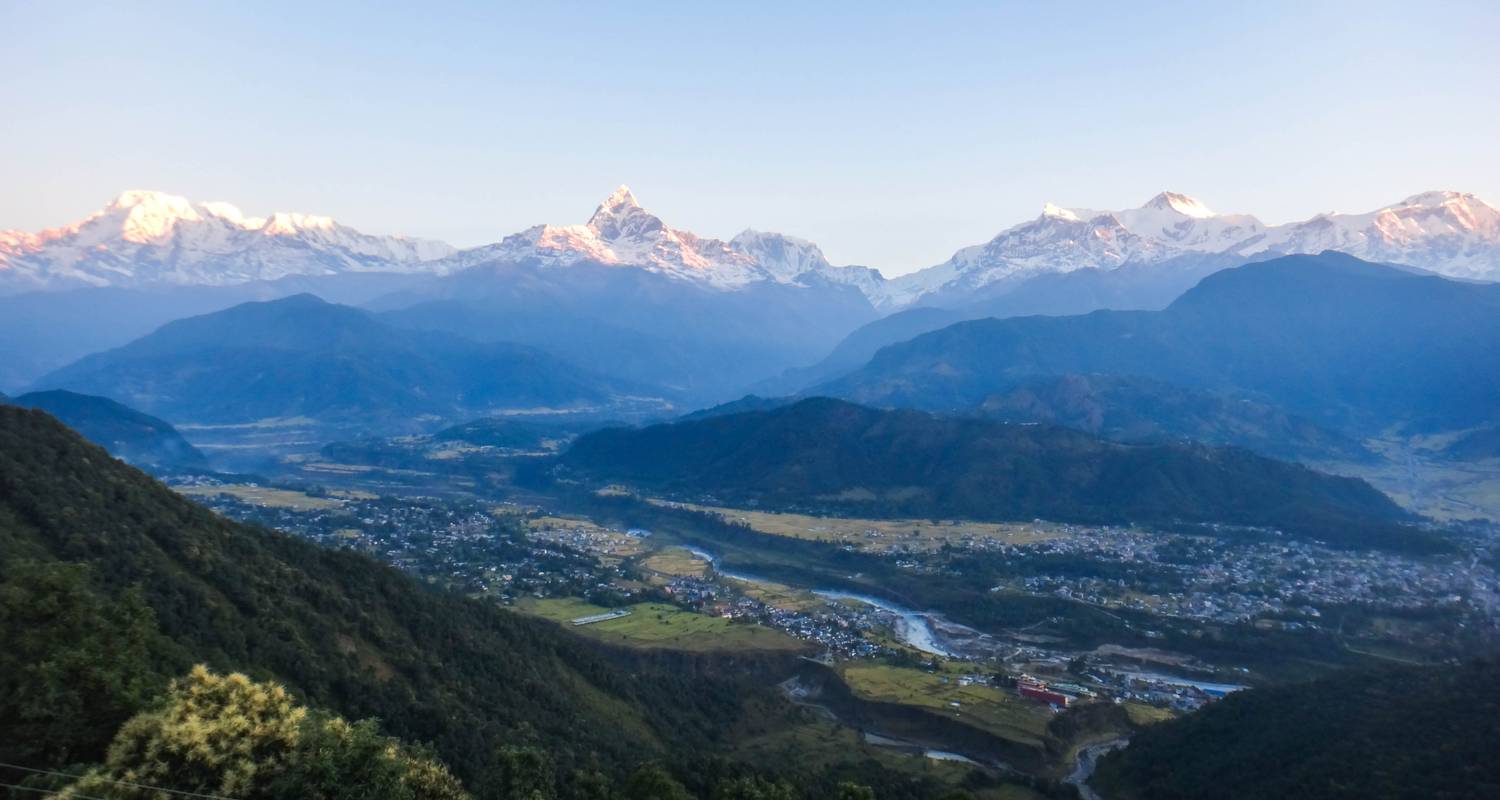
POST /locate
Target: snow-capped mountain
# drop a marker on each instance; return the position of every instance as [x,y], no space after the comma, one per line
[1445,232]
[622,233]
[787,259]
[1450,233]
[152,238]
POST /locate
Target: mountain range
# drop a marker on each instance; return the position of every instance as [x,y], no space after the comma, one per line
[627,295]
[152,238]
[303,357]
[1353,346]
[146,238]
[1450,233]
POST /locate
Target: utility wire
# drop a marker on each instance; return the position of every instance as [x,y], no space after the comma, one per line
[147,787]
[49,791]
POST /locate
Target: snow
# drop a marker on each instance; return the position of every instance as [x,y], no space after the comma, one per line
[1451,233]
[147,237]
[622,233]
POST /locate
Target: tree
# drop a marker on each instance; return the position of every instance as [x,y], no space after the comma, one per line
[229,735]
[521,773]
[853,791]
[73,666]
[753,788]
[652,782]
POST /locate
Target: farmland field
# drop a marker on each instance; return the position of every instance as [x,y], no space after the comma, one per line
[882,535]
[263,496]
[658,625]
[984,707]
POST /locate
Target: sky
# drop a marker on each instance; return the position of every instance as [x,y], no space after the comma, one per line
[890,134]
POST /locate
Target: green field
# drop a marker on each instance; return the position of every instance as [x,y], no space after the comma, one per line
[659,625]
[983,707]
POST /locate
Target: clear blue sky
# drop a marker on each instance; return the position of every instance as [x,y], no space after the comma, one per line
[890,134]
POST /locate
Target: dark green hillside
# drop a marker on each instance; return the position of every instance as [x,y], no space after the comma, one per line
[348,634]
[1427,733]
[1351,345]
[300,356]
[828,454]
[124,432]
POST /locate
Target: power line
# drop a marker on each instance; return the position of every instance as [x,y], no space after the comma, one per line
[147,787]
[49,791]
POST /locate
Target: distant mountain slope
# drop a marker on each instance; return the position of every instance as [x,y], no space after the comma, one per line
[45,330]
[749,402]
[148,238]
[1349,344]
[627,295]
[126,433]
[1401,732]
[300,356]
[832,455]
[1132,409]
[703,343]
[343,631]
[1136,287]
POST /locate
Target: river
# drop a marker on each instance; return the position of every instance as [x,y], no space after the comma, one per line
[913,628]
[1088,761]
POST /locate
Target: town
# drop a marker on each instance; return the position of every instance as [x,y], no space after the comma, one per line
[513,553]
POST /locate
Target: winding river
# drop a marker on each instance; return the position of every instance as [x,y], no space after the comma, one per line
[1088,761]
[913,628]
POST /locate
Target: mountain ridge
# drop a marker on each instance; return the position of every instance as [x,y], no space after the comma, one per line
[146,237]
[826,454]
[138,438]
[301,356]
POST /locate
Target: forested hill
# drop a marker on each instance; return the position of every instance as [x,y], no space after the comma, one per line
[826,454]
[344,632]
[1427,733]
[138,438]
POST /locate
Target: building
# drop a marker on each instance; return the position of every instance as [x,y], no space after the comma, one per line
[1040,691]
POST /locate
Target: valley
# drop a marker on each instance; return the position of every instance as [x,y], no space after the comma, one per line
[901,430]
[947,619]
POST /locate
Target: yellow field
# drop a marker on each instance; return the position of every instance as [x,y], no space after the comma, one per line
[263,496]
[1142,714]
[657,625]
[780,595]
[584,535]
[676,562]
[882,535]
[983,707]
